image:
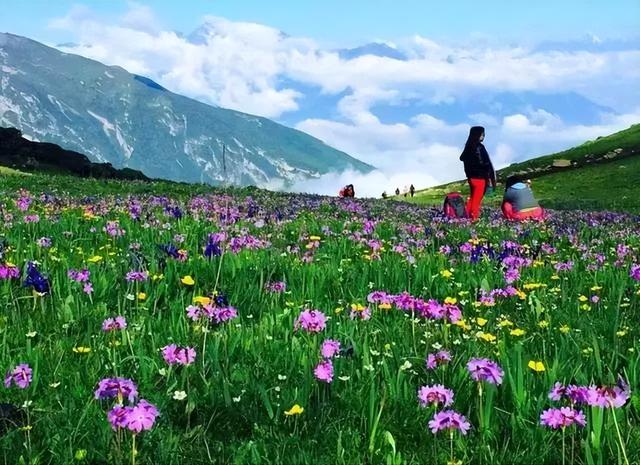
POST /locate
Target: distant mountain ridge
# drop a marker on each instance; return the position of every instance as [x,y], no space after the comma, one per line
[19,153]
[132,121]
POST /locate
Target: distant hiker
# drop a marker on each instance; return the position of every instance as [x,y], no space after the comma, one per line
[347,191]
[405,191]
[478,169]
[412,190]
[397,191]
[519,202]
[384,194]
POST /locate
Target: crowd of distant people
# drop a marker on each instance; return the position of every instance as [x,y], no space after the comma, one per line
[518,202]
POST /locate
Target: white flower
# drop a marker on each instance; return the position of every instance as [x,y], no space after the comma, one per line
[344,378]
[54,385]
[179,395]
[281,377]
[406,365]
[32,334]
[436,345]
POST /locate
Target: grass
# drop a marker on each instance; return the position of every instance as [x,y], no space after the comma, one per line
[249,371]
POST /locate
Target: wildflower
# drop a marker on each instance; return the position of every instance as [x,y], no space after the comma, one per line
[608,397]
[481,321]
[179,395]
[21,376]
[564,329]
[446,274]
[95,259]
[330,348]
[635,272]
[556,418]
[36,280]
[449,419]
[482,369]
[114,324]
[110,388]
[295,410]
[536,366]
[175,355]
[437,394]
[187,281]
[312,321]
[141,417]
[137,276]
[324,371]
[440,358]
[9,271]
[277,287]
[359,312]
[81,349]
[485,336]
[517,332]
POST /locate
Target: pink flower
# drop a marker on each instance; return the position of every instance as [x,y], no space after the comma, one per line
[114,324]
[482,369]
[562,417]
[324,371]
[440,358]
[437,394]
[142,417]
[312,321]
[449,419]
[175,355]
[330,348]
[21,376]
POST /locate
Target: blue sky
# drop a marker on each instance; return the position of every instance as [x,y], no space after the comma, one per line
[350,22]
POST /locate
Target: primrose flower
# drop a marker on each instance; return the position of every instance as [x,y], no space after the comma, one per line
[451,420]
[482,369]
[312,321]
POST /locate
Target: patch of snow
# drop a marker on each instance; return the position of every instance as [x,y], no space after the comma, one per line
[106,124]
[108,74]
[10,70]
[178,162]
[126,148]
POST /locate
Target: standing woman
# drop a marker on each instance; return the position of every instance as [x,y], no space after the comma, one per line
[478,169]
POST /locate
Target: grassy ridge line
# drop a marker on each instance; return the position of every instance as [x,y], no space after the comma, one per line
[605,184]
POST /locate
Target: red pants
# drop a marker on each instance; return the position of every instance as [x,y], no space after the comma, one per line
[510,214]
[478,186]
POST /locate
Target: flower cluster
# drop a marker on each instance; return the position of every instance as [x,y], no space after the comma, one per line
[312,321]
[175,355]
[21,376]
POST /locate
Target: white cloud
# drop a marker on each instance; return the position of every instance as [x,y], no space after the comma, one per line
[242,65]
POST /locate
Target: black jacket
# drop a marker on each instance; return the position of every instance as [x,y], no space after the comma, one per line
[477,164]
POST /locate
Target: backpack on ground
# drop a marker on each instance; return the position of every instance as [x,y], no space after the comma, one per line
[454,206]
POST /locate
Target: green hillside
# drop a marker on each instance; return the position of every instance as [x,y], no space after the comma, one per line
[597,175]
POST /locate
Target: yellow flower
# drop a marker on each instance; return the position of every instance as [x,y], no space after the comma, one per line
[450,301]
[366,257]
[157,277]
[309,246]
[202,300]
[481,321]
[485,336]
[596,288]
[536,366]
[314,238]
[187,281]
[585,307]
[543,324]
[555,277]
[621,333]
[357,307]
[295,410]
[564,329]
[384,306]
[532,286]
[583,298]
[142,296]
[517,332]
[338,310]
[446,274]
[94,259]
[504,323]
[463,324]
[81,350]
[521,295]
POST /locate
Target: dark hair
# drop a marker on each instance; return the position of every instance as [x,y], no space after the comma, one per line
[474,137]
[511,180]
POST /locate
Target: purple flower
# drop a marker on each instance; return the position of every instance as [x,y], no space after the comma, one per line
[312,321]
[607,397]
[87,288]
[511,275]
[142,416]
[324,371]
[440,358]
[175,355]
[277,287]
[21,376]
[137,276]
[437,394]
[557,391]
[81,276]
[330,348]
[483,369]
[114,324]
[562,417]
[449,419]
[9,272]
[635,272]
[44,242]
[110,388]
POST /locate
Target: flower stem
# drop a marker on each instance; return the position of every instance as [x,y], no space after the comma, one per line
[563,454]
[134,452]
[615,422]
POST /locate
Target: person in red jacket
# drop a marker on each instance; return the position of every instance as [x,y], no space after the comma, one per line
[478,169]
